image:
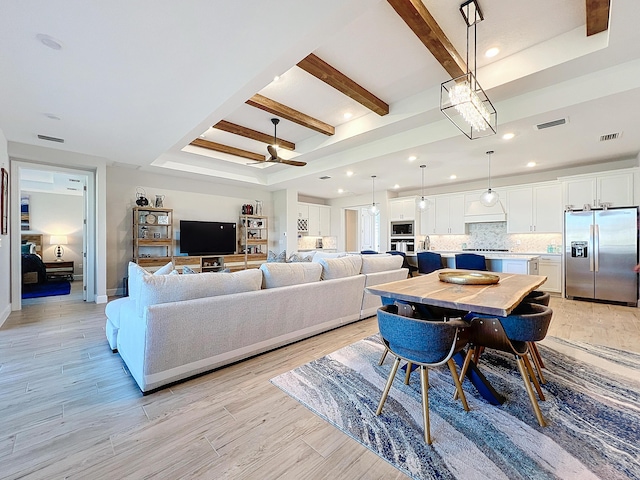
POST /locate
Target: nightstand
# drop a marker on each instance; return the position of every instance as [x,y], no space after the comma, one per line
[59,270]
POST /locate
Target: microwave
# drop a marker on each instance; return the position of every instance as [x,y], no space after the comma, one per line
[401,228]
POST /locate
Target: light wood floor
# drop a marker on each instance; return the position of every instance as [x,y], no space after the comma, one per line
[71,410]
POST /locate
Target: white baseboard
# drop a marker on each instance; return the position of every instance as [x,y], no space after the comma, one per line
[102,299]
[5,314]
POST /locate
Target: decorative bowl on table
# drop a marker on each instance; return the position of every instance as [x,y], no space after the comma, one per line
[469,278]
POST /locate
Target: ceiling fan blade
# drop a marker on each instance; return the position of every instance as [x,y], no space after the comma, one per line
[295,163]
[272,151]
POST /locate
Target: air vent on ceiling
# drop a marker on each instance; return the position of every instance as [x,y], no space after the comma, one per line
[74,180]
[553,123]
[610,136]
[326,177]
[51,139]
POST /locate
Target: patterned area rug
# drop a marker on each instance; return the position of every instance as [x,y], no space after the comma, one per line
[592,406]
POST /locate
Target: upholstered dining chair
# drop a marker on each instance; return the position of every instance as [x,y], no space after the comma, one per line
[470,261]
[528,322]
[541,298]
[423,343]
[368,252]
[429,262]
[405,263]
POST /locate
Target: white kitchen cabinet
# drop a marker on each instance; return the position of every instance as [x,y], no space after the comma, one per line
[524,266]
[303,210]
[428,218]
[319,219]
[403,208]
[449,214]
[535,209]
[616,189]
[551,267]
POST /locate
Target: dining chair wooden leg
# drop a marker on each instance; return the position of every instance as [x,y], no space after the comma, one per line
[529,389]
[387,387]
[408,373]
[537,354]
[478,352]
[536,362]
[534,379]
[384,355]
[463,370]
[424,383]
[456,381]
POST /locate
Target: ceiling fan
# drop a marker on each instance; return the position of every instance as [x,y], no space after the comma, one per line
[274,153]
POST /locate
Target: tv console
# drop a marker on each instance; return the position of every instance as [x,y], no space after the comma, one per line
[216,263]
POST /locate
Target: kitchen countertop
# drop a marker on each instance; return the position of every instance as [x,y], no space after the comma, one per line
[495,255]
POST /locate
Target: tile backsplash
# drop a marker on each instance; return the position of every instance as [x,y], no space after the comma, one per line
[313,243]
[494,236]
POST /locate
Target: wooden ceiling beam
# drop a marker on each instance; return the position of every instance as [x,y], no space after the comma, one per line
[282,111]
[418,18]
[597,16]
[219,147]
[336,79]
[252,134]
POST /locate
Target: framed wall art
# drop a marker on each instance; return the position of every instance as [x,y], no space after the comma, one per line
[4,203]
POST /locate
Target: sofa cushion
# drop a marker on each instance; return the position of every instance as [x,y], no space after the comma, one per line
[380,263]
[276,275]
[347,266]
[156,289]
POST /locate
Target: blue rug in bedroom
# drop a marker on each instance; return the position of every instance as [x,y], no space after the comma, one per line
[47,289]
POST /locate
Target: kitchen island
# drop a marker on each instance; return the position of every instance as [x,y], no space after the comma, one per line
[507,262]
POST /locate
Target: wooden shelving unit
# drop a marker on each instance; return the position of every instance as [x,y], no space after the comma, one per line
[152,236]
[254,240]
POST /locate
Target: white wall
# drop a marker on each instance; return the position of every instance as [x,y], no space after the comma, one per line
[58,214]
[190,200]
[5,258]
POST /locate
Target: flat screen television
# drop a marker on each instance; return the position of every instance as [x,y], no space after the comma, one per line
[207,238]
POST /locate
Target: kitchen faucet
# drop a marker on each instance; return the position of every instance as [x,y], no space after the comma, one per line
[427,242]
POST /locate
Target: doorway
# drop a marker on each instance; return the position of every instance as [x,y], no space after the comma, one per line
[59,202]
[362,231]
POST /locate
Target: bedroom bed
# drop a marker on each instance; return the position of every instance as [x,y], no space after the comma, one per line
[34,270]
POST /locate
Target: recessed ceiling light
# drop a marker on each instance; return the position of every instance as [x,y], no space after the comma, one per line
[531,164]
[340,190]
[492,52]
[413,158]
[52,116]
[276,78]
[452,177]
[348,115]
[508,136]
[396,186]
[349,173]
[49,41]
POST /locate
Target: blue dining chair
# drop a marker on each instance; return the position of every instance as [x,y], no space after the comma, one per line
[425,343]
[405,263]
[527,323]
[429,262]
[368,252]
[470,261]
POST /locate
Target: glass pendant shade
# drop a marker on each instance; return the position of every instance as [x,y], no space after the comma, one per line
[489,198]
[373,210]
[422,204]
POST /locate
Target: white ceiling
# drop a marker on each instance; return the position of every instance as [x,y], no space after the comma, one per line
[135,82]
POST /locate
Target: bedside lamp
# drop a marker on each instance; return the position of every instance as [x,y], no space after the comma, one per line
[58,241]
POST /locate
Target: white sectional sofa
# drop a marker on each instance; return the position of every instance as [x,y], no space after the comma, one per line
[173,327]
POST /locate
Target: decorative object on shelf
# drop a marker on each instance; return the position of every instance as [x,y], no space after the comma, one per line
[469,278]
[462,99]
[422,204]
[58,241]
[150,219]
[141,197]
[247,209]
[159,201]
[258,209]
[490,197]
[156,235]
[163,219]
[373,210]
[144,233]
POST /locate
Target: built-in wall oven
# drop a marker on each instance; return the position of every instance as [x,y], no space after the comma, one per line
[406,246]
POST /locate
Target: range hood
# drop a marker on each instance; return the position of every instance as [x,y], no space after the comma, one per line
[478,213]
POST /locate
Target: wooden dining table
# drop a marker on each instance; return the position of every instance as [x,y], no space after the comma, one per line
[497,299]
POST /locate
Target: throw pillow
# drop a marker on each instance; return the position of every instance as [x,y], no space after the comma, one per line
[187,270]
[299,257]
[165,270]
[280,257]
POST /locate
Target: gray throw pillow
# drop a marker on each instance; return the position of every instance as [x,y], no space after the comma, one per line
[298,257]
[280,257]
[187,270]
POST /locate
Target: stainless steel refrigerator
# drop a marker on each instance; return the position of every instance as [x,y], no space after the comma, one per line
[601,250]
